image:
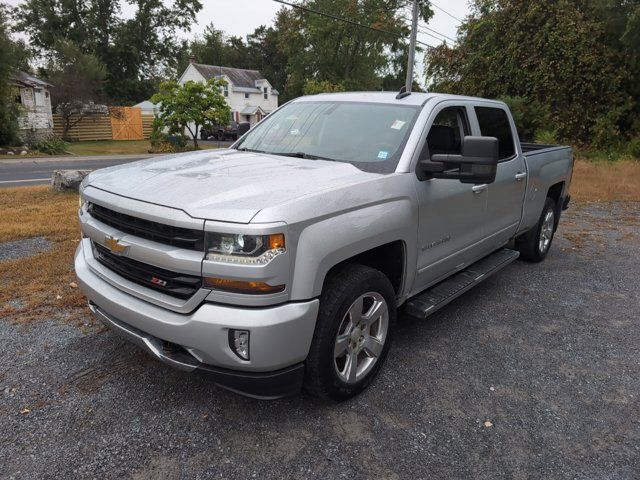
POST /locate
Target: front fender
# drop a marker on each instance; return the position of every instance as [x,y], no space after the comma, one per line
[327,242]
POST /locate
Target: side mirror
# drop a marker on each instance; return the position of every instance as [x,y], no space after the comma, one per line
[477,164]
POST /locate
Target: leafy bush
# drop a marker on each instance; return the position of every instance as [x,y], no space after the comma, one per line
[634,148]
[530,117]
[605,132]
[49,145]
[313,87]
[547,137]
[166,143]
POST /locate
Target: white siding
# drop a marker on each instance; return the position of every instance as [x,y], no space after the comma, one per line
[36,113]
[236,100]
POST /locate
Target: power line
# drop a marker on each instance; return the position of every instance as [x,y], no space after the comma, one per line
[432,36]
[444,11]
[346,20]
[435,31]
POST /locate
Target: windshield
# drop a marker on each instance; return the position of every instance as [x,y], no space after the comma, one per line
[370,136]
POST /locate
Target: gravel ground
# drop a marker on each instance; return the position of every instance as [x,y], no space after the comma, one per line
[533,374]
[23,248]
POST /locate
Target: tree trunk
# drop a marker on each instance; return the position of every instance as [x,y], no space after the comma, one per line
[195,139]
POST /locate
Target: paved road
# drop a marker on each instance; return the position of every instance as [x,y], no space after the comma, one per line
[547,353]
[22,172]
[37,171]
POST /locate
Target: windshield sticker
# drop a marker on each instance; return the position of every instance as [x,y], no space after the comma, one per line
[382,155]
[398,124]
[295,131]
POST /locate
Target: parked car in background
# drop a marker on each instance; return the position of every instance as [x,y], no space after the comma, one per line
[220,132]
[280,264]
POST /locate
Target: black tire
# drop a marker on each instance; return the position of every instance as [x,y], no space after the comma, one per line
[529,245]
[220,136]
[340,291]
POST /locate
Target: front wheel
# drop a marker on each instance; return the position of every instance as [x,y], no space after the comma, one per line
[535,244]
[353,332]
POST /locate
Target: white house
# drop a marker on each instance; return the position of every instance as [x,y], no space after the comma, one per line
[248,93]
[34,97]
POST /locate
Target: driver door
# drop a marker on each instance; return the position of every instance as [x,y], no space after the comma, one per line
[452,215]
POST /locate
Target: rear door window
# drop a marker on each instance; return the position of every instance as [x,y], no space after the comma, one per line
[494,122]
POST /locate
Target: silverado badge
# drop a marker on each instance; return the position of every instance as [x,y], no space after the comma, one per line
[114,245]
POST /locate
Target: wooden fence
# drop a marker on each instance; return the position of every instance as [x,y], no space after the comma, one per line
[127,124]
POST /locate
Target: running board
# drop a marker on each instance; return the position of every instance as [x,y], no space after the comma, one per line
[431,300]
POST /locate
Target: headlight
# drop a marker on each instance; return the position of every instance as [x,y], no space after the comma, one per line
[243,249]
[83,184]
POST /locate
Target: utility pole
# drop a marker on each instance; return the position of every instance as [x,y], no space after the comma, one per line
[412,46]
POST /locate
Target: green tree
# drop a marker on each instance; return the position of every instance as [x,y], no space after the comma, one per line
[564,57]
[136,50]
[78,84]
[313,87]
[192,105]
[323,49]
[13,56]
[303,46]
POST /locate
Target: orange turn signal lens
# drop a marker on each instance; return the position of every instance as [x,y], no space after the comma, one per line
[236,286]
[276,241]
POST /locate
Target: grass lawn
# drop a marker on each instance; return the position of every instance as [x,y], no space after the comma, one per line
[41,284]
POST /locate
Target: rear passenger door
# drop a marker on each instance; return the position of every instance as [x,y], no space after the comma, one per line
[505,195]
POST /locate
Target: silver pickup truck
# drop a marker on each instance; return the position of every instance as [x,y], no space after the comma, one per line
[280,264]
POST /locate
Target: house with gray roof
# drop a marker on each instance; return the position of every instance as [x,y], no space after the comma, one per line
[248,93]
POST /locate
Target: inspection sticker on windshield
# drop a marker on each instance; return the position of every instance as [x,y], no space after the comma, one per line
[398,124]
[382,155]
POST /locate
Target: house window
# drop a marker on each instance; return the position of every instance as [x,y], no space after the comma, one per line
[18,97]
[225,90]
[39,97]
[266,93]
[246,95]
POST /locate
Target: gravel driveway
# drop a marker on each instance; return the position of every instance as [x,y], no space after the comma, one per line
[534,374]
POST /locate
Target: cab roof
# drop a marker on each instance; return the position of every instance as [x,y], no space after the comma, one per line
[415,98]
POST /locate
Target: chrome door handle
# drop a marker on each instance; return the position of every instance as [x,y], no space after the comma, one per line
[521,176]
[479,188]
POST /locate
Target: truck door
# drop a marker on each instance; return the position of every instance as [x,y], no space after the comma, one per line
[506,195]
[452,214]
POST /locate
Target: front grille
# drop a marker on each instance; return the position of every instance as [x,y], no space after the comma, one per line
[175,236]
[175,284]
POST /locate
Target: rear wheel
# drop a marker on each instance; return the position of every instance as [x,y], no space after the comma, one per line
[353,333]
[535,244]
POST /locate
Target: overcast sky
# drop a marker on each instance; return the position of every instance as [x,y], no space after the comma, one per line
[241,17]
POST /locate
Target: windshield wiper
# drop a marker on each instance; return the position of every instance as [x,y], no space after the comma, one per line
[304,155]
[245,149]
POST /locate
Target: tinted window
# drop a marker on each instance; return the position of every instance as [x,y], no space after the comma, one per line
[494,122]
[447,132]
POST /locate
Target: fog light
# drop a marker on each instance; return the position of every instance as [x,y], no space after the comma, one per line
[239,343]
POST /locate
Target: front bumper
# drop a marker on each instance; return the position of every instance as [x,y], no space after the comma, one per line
[198,341]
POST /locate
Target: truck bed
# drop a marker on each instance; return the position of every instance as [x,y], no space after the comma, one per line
[547,165]
[529,149]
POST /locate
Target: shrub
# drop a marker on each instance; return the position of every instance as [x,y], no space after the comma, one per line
[529,116]
[634,148]
[49,145]
[547,137]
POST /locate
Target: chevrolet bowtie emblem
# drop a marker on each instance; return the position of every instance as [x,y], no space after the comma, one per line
[114,245]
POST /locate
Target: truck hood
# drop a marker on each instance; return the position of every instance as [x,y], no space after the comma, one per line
[228,186]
